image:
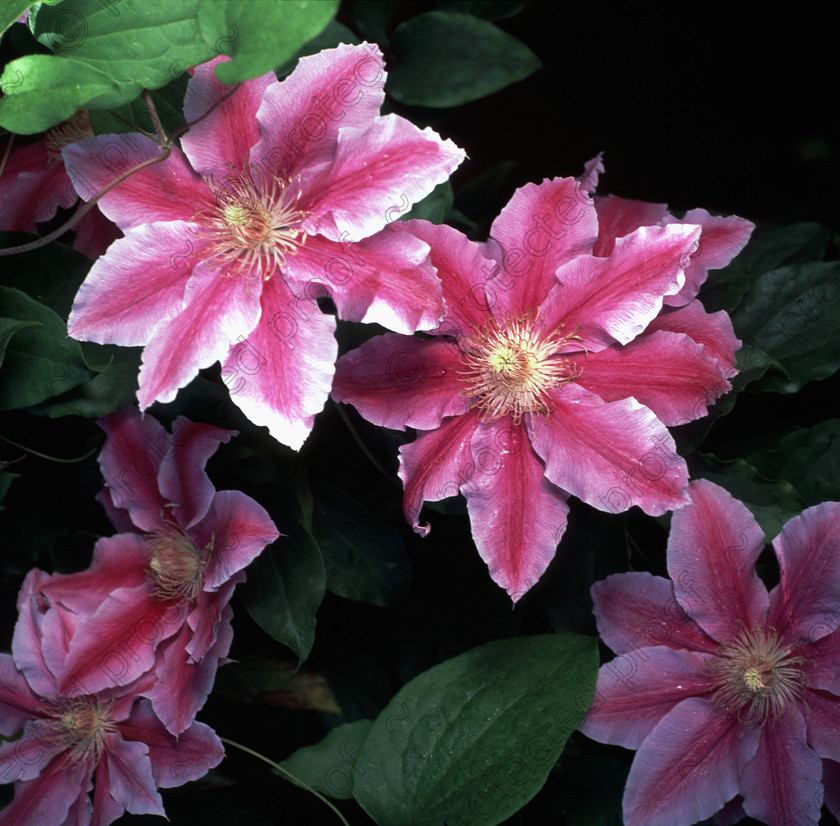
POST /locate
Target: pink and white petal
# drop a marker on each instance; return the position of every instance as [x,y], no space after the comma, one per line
[116,645]
[805,602]
[688,768]
[174,761]
[781,784]
[224,119]
[435,465]
[618,217]
[17,702]
[81,812]
[280,376]
[508,486]
[611,455]
[397,381]
[105,809]
[237,529]
[637,610]
[464,271]
[166,191]
[130,780]
[712,330]
[49,797]
[722,239]
[218,312]
[592,170]
[822,721]
[638,688]
[712,550]
[136,285]
[542,227]
[130,464]
[373,171]
[603,300]
[29,755]
[667,372]
[386,279]
[182,478]
[299,118]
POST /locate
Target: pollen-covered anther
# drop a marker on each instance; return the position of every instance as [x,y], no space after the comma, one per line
[756,677]
[512,364]
[175,565]
[79,725]
[254,223]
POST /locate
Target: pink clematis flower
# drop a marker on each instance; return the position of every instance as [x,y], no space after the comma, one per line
[155,598]
[730,694]
[553,373]
[34,184]
[107,742]
[279,197]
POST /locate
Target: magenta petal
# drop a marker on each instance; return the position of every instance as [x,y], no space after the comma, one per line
[29,755]
[822,720]
[542,227]
[280,376]
[618,217]
[236,528]
[174,761]
[781,784]
[436,464]
[806,599]
[386,279]
[219,311]
[165,191]
[592,170]
[508,486]
[638,688]
[374,171]
[130,463]
[712,550]
[205,619]
[94,234]
[667,372]
[612,455]
[688,767]
[398,381]
[137,284]
[17,702]
[130,777]
[614,299]
[26,644]
[637,610]
[182,478]
[224,119]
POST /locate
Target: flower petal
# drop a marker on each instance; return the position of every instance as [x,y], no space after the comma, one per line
[280,375]
[129,777]
[399,381]
[712,550]
[507,488]
[618,217]
[17,702]
[822,720]
[612,455]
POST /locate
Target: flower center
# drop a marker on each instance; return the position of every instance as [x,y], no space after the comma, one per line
[254,224]
[757,677]
[79,724]
[176,567]
[511,365]
[73,130]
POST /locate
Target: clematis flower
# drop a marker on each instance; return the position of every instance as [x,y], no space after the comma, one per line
[279,197]
[109,742]
[552,374]
[730,695]
[34,184]
[155,598]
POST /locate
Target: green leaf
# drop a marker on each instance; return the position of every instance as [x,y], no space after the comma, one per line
[11,10]
[446,59]
[260,36]
[327,766]
[434,207]
[772,502]
[489,9]
[373,19]
[809,460]
[470,741]
[6,480]
[365,558]
[790,314]
[8,327]
[40,360]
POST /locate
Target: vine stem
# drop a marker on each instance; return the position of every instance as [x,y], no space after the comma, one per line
[50,458]
[286,771]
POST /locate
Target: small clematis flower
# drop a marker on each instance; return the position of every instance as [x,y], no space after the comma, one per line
[552,374]
[279,197]
[34,185]
[109,743]
[155,598]
[730,695]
